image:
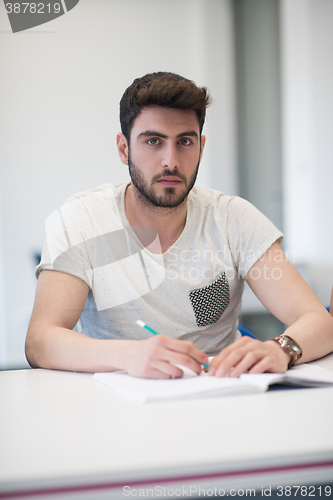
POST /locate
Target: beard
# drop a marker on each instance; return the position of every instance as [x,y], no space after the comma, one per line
[170,198]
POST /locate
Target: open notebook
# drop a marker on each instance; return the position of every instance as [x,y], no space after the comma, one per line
[192,386]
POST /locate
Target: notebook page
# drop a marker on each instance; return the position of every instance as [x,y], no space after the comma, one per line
[301,375]
[148,390]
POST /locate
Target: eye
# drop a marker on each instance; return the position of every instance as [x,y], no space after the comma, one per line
[185,142]
[152,142]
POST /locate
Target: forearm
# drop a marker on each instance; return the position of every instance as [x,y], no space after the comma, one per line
[314,333]
[63,349]
[59,348]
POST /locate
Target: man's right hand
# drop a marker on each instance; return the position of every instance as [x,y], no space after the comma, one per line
[51,342]
[155,357]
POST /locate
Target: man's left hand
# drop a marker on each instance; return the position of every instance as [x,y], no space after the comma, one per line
[249,355]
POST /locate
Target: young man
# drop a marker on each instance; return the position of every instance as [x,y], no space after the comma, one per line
[170,254]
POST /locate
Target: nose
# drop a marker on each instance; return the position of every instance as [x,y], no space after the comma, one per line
[170,158]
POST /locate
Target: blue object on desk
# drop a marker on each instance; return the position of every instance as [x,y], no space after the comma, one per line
[246,332]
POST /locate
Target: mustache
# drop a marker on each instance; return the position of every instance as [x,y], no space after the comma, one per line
[167,173]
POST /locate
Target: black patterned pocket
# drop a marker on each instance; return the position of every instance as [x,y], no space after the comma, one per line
[210,302]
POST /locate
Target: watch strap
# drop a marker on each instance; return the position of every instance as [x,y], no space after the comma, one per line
[289,346]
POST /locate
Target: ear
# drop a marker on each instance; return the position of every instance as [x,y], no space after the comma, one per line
[122,148]
[203,142]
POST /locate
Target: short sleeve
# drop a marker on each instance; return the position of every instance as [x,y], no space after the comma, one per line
[65,248]
[250,234]
[85,234]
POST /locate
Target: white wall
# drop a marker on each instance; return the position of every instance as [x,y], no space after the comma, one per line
[59,92]
[2,304]
[307,116]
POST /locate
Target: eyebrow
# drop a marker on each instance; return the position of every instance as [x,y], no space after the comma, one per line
[149,133]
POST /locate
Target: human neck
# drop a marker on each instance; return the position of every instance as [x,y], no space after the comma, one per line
[168,222]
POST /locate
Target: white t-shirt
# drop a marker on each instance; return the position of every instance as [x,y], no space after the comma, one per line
[191,292]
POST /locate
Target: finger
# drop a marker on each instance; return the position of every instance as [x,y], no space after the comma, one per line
[158,370]
[264,365]
[155,374]
[158,357]
[227,364]
[227,356]
[217,360]
[246,363]
[180,359]
[190,350]
[234,358]
[168,369]
[185,348]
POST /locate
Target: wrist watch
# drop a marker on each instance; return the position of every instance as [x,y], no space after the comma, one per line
[289,346]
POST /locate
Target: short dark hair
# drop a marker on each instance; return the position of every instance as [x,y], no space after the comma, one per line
[162,89]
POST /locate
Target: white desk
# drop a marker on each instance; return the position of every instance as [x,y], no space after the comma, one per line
[70,437]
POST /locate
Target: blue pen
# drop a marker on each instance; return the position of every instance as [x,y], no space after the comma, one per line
[143,325]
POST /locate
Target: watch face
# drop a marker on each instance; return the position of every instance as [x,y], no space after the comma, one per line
[292,344]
